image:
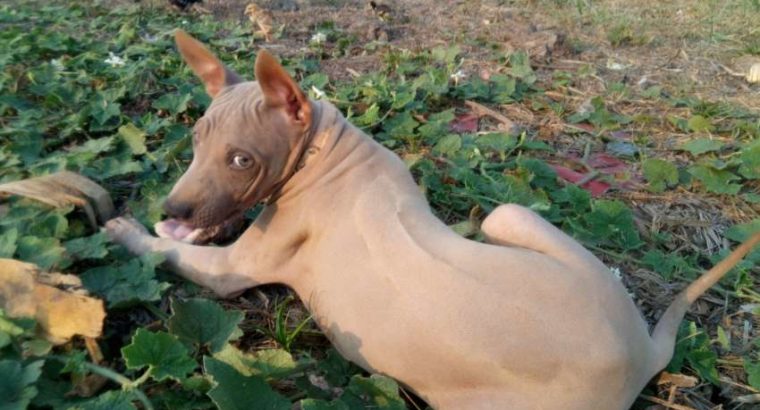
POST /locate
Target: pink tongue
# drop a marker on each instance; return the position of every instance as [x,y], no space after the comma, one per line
[172,228]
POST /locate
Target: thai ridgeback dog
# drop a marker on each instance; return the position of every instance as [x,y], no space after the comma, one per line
[530,320]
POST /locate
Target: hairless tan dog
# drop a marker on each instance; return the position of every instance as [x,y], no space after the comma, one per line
[531,320]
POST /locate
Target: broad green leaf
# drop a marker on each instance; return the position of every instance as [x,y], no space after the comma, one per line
[234,391]
[267,363]
[110,400]
[698,123]
[608,223]
[89,247]
[313,404]
[376,391]
[126,283]
[337,370]
[520,67]
[714,180]
[742,232]
[668,265]
[693,347]
[134,137]
[500,142]
[753,372]
[702,145]
[173,102]
[202,322]
[163,354]
[17,383]
[449,145]
[44,252]
[660,174]
[750,157]
[8,242]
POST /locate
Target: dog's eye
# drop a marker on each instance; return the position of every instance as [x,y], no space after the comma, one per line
[241,161]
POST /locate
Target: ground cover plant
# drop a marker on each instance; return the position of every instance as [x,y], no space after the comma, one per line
[650,177]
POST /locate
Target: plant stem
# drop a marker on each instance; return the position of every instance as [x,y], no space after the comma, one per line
[123,381]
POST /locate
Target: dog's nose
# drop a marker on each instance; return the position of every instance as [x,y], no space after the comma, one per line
[178,210]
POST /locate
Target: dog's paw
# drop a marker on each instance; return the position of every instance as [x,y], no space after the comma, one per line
[129,233]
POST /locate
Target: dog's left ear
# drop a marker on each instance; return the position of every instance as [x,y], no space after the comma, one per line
[281,91]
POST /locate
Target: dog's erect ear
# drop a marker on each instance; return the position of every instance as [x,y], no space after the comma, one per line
[280,91]
[204,64]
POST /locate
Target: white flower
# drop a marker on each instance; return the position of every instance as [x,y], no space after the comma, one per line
[184,21]
[114,61]
[319,94]
[616,272]
[318,38]
[57,64]
[458,76]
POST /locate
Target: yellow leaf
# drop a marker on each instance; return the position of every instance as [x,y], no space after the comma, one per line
[25,291]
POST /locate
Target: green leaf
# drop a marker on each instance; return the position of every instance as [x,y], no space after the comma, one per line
[668,265]
[202,322]
[127,283]
[753,372]
[45,252]
[234,391]
[267,363]
[693,347]
[449,145]
[750,158]
[723,339]
[742,232]
[110,400]
[376,391]
[174,103]
[715,180]
[8,242]
[698,123]
[701,145]
[17,383]
[660,174]
[163,353]
[608,223]
[520,62]
[89,247]
[313,404]
[134,137]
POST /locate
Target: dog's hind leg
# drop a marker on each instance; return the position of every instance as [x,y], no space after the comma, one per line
[514,225]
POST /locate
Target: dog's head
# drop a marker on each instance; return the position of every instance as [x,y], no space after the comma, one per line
[245,146]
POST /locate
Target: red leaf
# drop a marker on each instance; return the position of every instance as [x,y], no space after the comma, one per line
[464,123]
[607,164]
[596,188]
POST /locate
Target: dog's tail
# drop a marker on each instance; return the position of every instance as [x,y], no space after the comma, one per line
[664,334]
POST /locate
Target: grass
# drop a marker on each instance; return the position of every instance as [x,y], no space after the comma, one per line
[101,90]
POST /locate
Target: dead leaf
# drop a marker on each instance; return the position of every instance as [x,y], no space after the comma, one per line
[481,110]
[465,123]
[596,188]
[677,379]
[607,164]
[62,189]
[60,314]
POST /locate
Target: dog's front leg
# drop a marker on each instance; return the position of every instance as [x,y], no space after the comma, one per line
[207,266]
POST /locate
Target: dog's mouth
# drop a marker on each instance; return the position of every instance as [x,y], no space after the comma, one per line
[185,231]
[178,230]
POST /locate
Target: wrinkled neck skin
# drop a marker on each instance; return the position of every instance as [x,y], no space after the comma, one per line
[297,155]
[323,155]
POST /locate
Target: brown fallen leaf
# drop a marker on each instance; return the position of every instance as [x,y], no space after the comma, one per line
[25,291]
[62,189]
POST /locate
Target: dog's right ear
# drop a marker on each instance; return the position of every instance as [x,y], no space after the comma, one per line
[204,64]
